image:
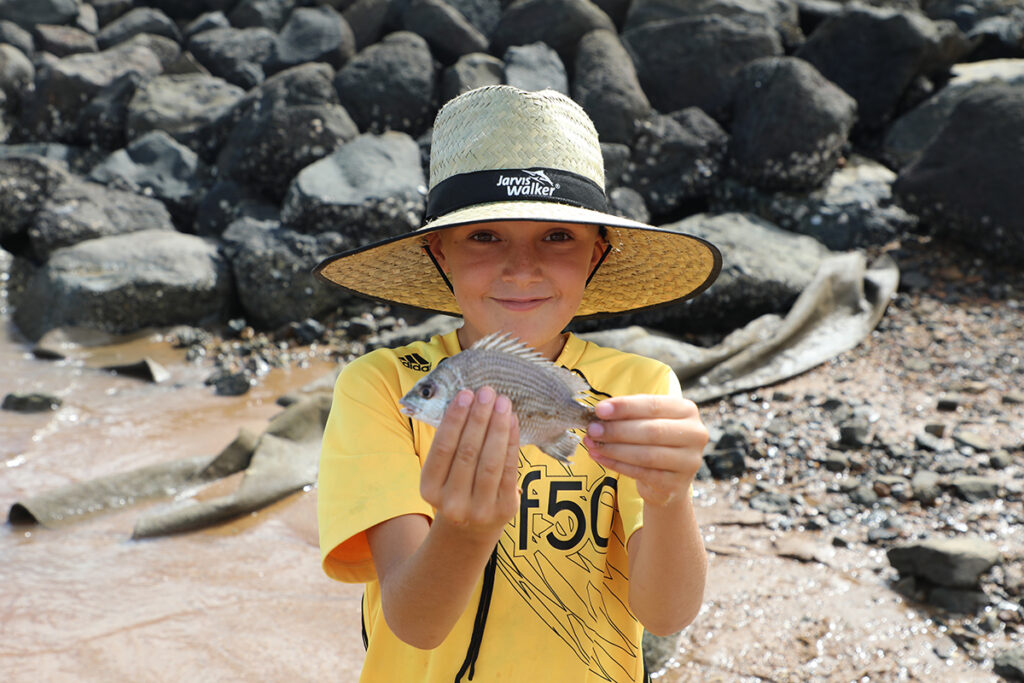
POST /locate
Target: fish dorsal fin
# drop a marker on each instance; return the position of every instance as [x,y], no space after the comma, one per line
[506,343]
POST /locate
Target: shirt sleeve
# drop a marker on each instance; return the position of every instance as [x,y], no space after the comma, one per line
[369,469]
[631,505]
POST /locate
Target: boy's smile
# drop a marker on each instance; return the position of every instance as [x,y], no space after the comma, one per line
[522,277]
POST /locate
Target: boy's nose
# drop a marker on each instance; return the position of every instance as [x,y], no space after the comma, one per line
[522,264]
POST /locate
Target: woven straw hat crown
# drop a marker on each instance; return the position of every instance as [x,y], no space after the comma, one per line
[498,127]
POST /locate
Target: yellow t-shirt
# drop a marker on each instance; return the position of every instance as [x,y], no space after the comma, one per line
[559,604]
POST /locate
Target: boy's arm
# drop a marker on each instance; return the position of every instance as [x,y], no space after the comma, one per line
[658,441]
[428,571]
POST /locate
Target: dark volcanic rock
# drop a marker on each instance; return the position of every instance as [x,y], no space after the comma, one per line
[31,403]
[692,62]
[765,268]
[16,36]
[135,22]
[875,55]
[911,133]
[675,159]
[313,34]
[779,15]
[25,184]
[390,85]
[366,18]
[469,72]
[951,562]
[65,86]
[62,41]
[188,107]
[158,166]
[483,14]
[228,201]
[237,55]
[558,23]
[535,67]
[125,283]
[607,87]
[272,272]
[789,124]
[444,28]
[268,151]
[78,211]
[16,77]
[854,208]
[30,12]
[269,14]
[101,123]
[370,188]
[967,182]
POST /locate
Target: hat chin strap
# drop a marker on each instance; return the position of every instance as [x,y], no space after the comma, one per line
[440,271]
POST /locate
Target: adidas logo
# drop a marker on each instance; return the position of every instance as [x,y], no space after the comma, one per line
[415,361]
[529,184]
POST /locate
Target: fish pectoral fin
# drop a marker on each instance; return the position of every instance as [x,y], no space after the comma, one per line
[562,448]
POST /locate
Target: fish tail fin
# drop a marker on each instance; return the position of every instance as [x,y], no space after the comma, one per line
[562,448]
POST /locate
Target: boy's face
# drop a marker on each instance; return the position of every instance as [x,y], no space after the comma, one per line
[522,277]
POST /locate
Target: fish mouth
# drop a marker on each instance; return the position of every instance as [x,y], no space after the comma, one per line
[406,409]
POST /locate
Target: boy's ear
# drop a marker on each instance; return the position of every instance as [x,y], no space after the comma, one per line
[437,250]
[600,245]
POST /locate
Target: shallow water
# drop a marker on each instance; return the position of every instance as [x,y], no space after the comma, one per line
[80,602]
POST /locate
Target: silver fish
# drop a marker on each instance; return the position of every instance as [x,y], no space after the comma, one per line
[545,397]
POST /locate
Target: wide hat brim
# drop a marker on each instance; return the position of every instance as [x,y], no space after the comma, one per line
[645,268]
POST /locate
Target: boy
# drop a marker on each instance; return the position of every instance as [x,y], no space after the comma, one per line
[485,561]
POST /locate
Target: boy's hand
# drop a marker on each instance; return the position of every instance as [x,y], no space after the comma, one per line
[471,472]
[657,440]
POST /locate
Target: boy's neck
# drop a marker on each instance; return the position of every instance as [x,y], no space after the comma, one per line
[551,350]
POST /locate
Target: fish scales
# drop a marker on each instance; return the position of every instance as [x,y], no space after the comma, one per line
[543,395]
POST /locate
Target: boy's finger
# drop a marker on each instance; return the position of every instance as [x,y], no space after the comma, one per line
[458,488]
[442,449]
[494,451]
[508,488]
[638,406]
[655,432]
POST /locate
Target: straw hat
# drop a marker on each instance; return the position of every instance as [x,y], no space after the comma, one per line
[498,154]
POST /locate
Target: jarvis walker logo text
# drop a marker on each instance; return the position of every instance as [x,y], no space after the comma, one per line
[529,184]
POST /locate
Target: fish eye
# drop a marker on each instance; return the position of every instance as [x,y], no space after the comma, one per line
[427,390]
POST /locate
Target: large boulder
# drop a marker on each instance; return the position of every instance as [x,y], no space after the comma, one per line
[535,67]
[854,208]
[158,166]
[227,202]
[368,189]
[77,211]
[272,267]
[125,283]
[966,184]
[65,86]
[559,23]
[367,19]
[292,120]
[789,124]
[911,133]
[25,184]
[607,87]
[765,269]
[676,159]
[31,12]
[779,15]
[238,55]
[136,22]
[62,41]
[469,72]
[483,14]
[16,77]
[188,107]
[101,123]
[445,29]
[692,61]
[875,55]
[391,85]
[313,34]
[270,14]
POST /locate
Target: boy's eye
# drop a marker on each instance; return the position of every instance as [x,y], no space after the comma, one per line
[483,237]
[559,236]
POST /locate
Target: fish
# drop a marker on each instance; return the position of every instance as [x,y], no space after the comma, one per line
[546,397]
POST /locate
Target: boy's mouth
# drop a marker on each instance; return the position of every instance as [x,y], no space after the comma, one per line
[520,304]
